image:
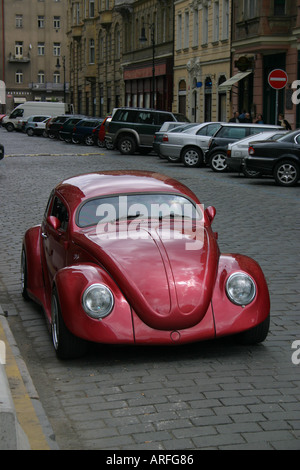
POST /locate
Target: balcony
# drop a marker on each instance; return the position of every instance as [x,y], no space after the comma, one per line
[106,18]
[76,31]
[124,7]
[18,58]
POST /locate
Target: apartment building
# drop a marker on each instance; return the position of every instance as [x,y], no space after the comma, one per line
[266,36]
[202,59]
[33,53]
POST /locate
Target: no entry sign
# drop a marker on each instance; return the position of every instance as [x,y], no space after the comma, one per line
[278,79]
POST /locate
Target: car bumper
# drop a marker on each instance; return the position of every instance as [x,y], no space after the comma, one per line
[235,164]
[170,150]
[263,165]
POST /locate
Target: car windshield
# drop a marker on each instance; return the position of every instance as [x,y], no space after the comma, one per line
[131,206]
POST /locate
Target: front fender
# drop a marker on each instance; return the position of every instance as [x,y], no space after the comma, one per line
[32,247]
[70,283]
[231,318]
[128,131]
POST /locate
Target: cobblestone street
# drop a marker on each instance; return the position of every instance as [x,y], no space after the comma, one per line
[211,395]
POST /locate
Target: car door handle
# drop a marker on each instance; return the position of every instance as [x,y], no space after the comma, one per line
[44,235]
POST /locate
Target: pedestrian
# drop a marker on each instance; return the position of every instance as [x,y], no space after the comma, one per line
[242,116]
[283,122]
[247,117]
[235,117]
[259,119]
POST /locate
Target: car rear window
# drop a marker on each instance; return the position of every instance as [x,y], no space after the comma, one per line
[151,205]
[232,132]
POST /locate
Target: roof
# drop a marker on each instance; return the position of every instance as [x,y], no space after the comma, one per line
[78,188]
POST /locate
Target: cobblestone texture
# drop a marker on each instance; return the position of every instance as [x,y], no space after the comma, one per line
[211,395]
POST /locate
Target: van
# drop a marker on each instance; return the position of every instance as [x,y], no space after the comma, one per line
[30,108]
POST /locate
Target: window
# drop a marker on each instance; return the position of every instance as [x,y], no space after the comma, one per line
[225,20]
[249,9]
[279,7]
[41,77]
[195,28]
[56,49]
[210,129]
[179,31]
[41,21]
[19,49]
[56,77]
[19,76]
[91,8]
[19,21]
[41,48]
[56,22]
[92,51]
[186,29]
[216,22]
[60,211]
[204,25]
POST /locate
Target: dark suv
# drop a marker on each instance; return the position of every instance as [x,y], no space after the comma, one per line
[216,154]
[133,129]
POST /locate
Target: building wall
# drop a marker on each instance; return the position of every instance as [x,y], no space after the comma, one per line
[202,58]
[30,71]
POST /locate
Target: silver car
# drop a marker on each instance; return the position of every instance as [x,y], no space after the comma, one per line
[190,145]
[237,151]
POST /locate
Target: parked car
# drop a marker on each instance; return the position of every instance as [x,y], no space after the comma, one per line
[167,127]
[280,158]
[1,151]
[83,131]
[20,124]
[66,129]
[100,133]
[132,129]
[1,117]
[54,125]
[190,145]
[126,275]
[227,134]
[36,125]
[237,151]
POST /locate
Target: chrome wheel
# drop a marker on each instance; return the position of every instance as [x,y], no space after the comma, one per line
[89,140]
[286,173]
[192,158]
[218,162]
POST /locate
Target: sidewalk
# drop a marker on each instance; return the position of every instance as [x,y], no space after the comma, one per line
[23,423]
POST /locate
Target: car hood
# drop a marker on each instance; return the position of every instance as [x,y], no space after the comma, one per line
[167,279]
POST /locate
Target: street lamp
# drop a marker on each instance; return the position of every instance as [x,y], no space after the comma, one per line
[64,67]
[143,39]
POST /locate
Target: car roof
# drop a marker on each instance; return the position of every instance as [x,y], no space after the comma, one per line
[249,124]
[100,184]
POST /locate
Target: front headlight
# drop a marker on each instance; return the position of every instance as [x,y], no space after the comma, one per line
[240,288]
[97,301]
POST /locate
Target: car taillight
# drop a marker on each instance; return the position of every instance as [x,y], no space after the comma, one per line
[165,138]
[74,129]
[228,153]
[251,151]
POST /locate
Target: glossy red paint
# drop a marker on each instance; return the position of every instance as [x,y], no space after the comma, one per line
[163,293]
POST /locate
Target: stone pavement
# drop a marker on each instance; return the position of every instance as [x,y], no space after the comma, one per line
[212,395]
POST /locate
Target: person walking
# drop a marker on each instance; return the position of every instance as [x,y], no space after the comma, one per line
[283,122]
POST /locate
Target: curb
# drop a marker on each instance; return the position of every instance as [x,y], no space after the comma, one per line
[23,422]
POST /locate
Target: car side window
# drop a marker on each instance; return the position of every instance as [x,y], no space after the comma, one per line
[210,129]
[163,117]
[145,117]
[232,132]
[60,211]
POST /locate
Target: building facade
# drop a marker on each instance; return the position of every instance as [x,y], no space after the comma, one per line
[266,36]
[202,59]
[33,55]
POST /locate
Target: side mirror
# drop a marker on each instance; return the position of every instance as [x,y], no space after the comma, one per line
[210,212]
[53,222]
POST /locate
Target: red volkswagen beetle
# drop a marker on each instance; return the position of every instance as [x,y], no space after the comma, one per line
[130,257]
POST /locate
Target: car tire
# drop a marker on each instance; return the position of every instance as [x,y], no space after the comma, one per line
[89,140]
[68,140]
[109,145]
[51,135]
[286,173]
[30,132]
[218,162]
[126,145]
[9,127]
[192,157]
[24,275]
[100,143]
[75,139]
[255,335]
[66,345]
